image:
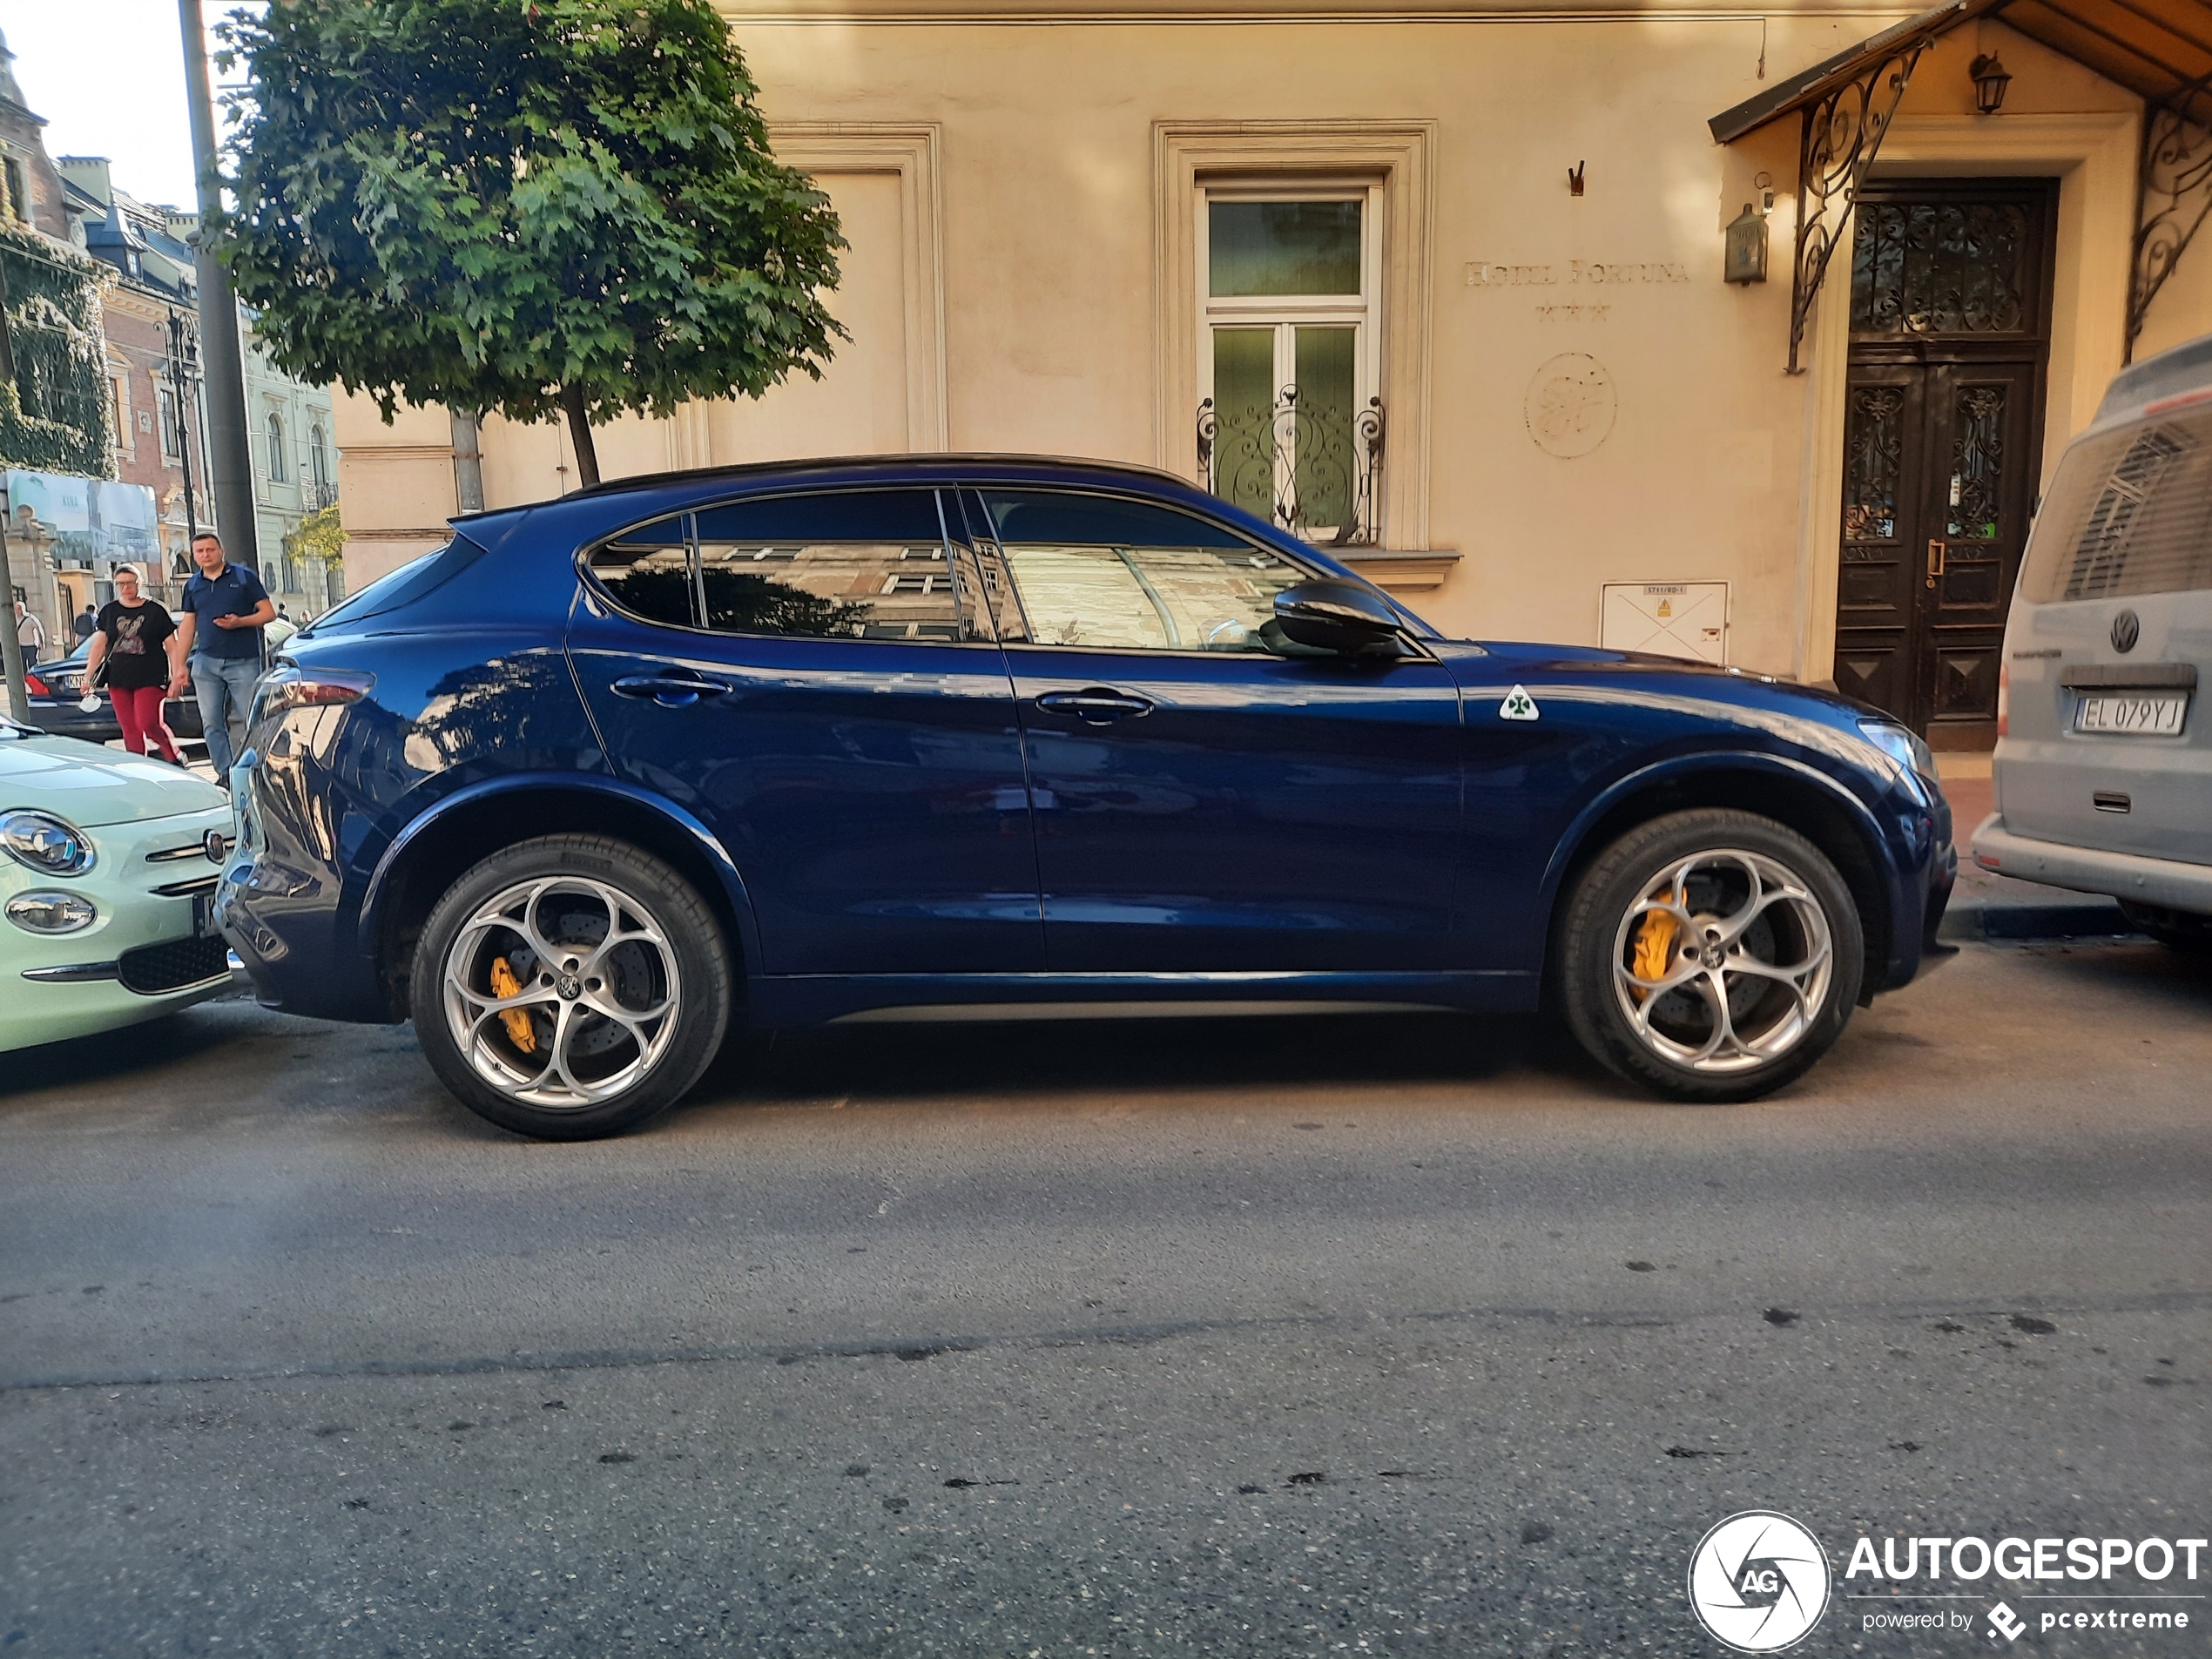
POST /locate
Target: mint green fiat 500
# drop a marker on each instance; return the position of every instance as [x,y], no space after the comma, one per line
[108,864]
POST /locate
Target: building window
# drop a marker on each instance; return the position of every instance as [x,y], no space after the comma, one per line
[318,455]
[1290,360]
[18,202]
[276,449]
[165,405]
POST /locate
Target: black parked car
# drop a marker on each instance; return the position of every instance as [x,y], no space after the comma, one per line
[55,685]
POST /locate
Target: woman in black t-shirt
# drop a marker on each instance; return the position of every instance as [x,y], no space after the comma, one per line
[135,639]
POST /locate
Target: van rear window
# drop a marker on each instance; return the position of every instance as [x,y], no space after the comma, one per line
[2130,512]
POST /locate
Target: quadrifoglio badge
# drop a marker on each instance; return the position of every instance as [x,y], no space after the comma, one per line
[1759,1583]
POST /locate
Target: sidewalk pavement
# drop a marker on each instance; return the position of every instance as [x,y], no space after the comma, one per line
[1988,906]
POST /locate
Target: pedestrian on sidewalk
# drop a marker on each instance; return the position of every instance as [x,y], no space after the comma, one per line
[140,647]
[225,608]
[31,634]
[87,620]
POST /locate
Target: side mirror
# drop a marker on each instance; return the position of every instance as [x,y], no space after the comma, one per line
[1343,618]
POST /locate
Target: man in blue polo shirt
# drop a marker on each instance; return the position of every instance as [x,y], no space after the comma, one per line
[226,607]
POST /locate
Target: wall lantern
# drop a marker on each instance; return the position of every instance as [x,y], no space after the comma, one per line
[1990,80]
[1745,259]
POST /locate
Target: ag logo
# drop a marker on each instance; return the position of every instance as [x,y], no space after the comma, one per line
[1758,1581]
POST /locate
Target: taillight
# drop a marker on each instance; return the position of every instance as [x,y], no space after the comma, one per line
[36,687]
[302,688]
[2004,699]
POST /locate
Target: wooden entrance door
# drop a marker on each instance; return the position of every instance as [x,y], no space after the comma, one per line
[1942,444]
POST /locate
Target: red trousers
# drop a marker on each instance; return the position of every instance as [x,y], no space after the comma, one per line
[137,710]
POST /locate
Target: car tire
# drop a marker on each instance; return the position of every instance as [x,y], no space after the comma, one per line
[2175,929]
[1709,955]
[571,987]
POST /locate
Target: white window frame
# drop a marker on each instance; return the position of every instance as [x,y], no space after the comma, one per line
[1191,157]
[165,417]
[1285,312]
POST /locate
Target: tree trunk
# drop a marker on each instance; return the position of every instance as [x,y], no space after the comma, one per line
[587,457]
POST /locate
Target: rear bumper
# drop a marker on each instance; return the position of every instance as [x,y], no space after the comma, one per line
[2131,876]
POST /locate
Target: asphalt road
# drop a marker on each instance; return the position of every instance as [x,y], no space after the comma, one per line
[1386,1335]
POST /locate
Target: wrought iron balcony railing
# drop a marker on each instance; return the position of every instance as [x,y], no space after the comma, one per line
[316,496]
[1314,468]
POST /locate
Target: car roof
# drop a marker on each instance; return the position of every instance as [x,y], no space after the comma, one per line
[924,464]
[928,468]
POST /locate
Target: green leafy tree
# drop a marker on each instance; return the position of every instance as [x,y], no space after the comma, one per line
[321,536]
[538,206]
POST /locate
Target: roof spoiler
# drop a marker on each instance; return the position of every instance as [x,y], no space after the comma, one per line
[2173,374]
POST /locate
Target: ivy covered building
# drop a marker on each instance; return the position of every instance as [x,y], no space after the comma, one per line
[54,411]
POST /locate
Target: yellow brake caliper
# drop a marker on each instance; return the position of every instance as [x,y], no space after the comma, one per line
[1654,944]
[503,983]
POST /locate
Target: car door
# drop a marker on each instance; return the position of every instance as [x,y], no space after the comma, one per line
[804,674]
[1203,803]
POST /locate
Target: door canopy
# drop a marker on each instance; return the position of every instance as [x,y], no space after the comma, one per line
[2160,50]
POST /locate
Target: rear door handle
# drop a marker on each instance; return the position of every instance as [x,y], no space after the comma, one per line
[672,690]
[1097,706]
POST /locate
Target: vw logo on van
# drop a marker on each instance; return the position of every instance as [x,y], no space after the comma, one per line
[2127,628]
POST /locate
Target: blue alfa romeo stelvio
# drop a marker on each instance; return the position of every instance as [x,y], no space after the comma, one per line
[974,736]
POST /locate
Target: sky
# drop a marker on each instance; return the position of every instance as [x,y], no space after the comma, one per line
[109,76]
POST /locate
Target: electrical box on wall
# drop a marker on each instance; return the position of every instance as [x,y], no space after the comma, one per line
[1685,619]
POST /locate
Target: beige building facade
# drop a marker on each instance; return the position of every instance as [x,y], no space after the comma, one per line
[1447,290]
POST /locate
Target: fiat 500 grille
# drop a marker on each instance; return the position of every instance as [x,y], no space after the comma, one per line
[153,968]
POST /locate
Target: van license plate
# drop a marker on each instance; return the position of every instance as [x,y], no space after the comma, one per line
[2156,714]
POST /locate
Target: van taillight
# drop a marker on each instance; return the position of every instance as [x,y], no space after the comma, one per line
[2004,699]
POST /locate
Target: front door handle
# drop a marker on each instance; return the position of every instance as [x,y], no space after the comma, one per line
[672,690]
[1097,706]
[1935,551]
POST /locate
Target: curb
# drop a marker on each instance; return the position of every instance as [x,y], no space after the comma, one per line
[2089,918]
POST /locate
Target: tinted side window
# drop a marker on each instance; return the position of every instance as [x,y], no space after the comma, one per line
[649,571]
[1104,573]
[854,564]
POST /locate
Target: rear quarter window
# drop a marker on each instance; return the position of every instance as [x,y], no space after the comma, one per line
[2129,513]
[401,587]
[648,571]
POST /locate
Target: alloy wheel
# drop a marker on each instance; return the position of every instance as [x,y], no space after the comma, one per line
[1723,962]
[562,992]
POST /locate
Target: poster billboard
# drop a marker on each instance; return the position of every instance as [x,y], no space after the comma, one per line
[90,518]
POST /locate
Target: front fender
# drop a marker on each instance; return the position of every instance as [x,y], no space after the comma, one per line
[1890,849]
[370,918]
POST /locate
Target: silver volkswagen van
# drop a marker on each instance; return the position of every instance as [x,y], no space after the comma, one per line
[2103,770]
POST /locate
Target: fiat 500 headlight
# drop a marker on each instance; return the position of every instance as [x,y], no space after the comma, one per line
[42,842]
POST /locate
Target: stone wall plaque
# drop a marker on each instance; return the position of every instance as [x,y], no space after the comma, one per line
[1570,405]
